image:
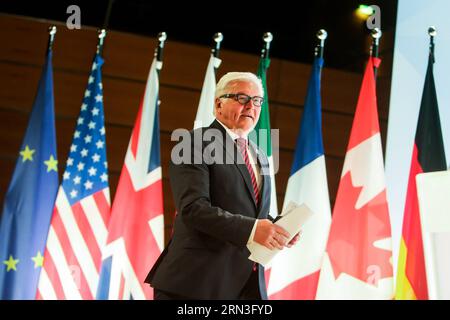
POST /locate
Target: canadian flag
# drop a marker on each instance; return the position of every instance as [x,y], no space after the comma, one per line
[358,258]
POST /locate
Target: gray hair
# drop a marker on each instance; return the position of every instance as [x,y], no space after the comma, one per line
[235,77]
[223,83]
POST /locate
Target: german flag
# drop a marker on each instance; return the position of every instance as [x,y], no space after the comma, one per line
[428,155]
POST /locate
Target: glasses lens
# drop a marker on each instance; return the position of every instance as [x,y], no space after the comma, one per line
[258,101]
[243,98]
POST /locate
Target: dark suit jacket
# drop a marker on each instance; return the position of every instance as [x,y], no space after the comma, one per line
[207,257]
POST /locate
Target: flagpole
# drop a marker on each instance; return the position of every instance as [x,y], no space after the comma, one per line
[432,32]
[108,14]
[162,37]
[322,36]
[218,37]
[51,37]
[267,38]
[101,39]
[376,35]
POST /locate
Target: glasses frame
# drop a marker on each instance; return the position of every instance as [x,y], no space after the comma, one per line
[235,96]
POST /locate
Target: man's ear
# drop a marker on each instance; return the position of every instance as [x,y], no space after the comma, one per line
[218,104]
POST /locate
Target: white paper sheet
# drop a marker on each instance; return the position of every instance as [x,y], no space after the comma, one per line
[292,220]
[434,203]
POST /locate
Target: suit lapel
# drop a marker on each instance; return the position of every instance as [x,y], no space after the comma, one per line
[237,158]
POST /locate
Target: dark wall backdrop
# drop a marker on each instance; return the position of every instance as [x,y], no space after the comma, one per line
[128,57]
[293,23]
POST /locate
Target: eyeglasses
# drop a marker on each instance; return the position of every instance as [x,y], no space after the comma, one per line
[243,98]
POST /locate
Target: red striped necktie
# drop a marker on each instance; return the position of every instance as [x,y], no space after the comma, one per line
[242,144]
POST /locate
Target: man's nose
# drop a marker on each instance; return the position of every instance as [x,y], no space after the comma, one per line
[250,105]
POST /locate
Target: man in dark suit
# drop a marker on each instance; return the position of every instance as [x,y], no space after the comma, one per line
[222,197]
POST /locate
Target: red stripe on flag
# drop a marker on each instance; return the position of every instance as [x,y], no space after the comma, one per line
[102,205]
[412,234]
[411,204]
[72,261]
[87,233]
[50,269]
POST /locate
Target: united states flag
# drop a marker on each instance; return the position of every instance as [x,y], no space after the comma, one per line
[78,228]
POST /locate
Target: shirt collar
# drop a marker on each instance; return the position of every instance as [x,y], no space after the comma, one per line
[232,134]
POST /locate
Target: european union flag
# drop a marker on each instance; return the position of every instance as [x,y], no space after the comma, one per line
[30,198]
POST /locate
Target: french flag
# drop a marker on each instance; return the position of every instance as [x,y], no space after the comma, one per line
[295,271]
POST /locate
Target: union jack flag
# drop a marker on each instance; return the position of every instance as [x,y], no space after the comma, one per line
[78,228]
[136,229]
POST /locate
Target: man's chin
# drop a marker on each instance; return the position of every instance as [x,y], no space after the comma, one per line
[246,127]
[247,121]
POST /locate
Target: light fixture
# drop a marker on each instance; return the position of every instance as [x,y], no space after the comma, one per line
[364,11]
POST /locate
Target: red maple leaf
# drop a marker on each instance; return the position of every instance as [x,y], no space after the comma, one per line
[353,233]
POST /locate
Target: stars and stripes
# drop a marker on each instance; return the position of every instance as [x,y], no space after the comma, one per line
[78,229]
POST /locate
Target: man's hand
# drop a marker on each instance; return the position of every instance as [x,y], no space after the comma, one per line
[270,235]
[294,239]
